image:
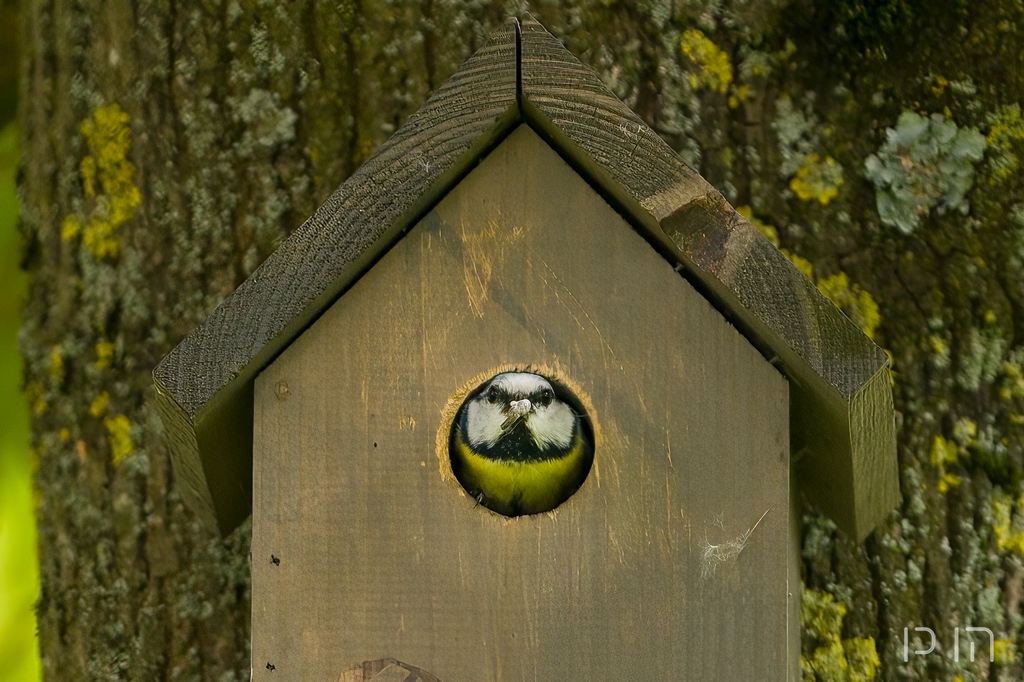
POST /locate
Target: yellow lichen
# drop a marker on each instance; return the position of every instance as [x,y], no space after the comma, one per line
[64,434]
[101,239]
[822,615]
[940,350]
[945,452]
[1012,385]
[862,657]
[738,95]
[817,180]
[107,180]
[70,228]
[119,437]
[99,404]
[827,663]
[34,396]
[713,70]
[56,362]
[1007,526]
[88,170]
[834,659]
[1006,129]
[104,354]
[857,303]
[1004,652]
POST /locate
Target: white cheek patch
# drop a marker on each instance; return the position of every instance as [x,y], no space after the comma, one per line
[552,425]
[483,423]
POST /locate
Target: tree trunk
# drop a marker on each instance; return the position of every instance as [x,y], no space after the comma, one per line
[169,147]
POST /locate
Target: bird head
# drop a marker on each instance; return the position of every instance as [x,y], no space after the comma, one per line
[519,400]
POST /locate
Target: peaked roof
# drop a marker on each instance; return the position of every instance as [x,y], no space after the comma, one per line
[841,412]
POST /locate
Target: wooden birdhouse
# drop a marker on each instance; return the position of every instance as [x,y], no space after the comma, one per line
[525,222]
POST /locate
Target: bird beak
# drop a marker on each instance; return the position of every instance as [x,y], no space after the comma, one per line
[517,411]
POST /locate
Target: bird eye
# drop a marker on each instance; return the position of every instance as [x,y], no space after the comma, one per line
[492,395]
[545,397]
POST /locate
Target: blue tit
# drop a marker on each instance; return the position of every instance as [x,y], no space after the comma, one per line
[518,447]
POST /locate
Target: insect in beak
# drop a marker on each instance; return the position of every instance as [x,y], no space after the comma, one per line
[517,411]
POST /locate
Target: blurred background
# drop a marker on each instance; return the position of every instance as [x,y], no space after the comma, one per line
[19,577]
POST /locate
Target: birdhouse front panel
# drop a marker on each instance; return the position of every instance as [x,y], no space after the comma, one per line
[525,297]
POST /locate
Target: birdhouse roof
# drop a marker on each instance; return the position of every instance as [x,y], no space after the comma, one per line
[841,410]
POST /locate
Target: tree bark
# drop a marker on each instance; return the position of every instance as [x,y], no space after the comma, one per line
[237,119]
[169,147]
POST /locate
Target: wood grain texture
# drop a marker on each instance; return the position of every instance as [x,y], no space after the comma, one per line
[843,414]
[209,375]
[363,547]
[188,467]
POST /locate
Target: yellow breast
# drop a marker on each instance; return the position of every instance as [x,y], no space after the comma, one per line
[514,488]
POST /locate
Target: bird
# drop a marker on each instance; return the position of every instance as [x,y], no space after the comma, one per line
[518,446]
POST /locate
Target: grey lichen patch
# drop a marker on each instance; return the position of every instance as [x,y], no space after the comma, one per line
[267,123]
[796,129]
[267,56]
[926,163]
[981,358]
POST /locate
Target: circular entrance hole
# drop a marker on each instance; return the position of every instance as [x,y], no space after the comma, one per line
[521,443]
